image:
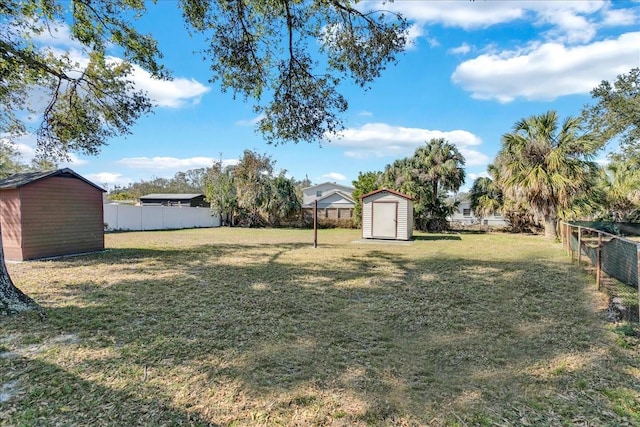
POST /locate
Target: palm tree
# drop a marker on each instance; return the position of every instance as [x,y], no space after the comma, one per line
[547,165]
[619,183]
[442,163]
[434,168]
[283,201]
[486,197]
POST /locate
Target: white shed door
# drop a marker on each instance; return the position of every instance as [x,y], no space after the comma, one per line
[385,220]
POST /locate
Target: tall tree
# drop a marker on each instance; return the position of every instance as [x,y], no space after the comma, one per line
[366,183]
[256,47]
[616,114]
[442,164]
[547,164]
[252,177]
[283,201]
[220,192]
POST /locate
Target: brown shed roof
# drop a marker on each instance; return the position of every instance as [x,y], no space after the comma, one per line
[21,179]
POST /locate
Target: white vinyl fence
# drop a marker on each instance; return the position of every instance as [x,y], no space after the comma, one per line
[124,217]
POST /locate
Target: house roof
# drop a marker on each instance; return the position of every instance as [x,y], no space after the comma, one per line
[171,196]
[397,193]
[347,196]
[21,179]
[330,183]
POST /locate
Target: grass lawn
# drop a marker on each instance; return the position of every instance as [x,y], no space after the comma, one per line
[256,327]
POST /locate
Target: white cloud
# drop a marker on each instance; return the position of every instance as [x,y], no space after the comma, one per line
[463,49]
[74,160]
[454,13]
[619,17]
[365,114]
[332,176]
[175,93]
[412,34]
[250,122]
[547,71]
[566,21]
[471,177]
[383,140]
[169,163]
[57,34]
[107,179]
[26,147]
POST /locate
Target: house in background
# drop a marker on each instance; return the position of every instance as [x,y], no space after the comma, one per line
[52,213]
[464,215]
[387,214]
[335,201]
[178,199]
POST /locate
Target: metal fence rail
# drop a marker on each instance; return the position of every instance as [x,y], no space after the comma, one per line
[613,255]
[608,253]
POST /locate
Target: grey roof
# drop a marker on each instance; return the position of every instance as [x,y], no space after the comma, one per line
[346,187]
[346,196]
[171,196]
[21,179]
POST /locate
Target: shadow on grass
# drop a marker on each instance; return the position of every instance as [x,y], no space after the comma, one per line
[429,237]
[374,337]
[46,394]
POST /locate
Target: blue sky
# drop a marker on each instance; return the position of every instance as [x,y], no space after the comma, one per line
[471,71]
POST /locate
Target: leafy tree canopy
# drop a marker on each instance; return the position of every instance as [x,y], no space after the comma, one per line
[546,164]
[81,102]
[366,183]
[617,113]
[288,56]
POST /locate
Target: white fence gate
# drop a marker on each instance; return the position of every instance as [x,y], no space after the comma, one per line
[124,217]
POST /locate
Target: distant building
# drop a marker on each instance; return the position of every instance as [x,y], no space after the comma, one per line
[464,215]
[177,199]
[335,201]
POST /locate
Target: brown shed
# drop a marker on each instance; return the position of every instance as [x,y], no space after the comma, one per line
[52,213]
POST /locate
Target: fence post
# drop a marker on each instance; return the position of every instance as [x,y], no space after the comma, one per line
[599,261]
[579,246]
[570,237]
[315,223]
[638,282]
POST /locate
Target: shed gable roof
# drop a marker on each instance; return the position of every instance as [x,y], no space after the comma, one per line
[21,179]
[397,193]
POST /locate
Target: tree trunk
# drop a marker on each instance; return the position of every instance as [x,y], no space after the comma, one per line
[12,299]
[550,227]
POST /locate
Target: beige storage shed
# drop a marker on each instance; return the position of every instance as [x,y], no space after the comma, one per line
[387,214]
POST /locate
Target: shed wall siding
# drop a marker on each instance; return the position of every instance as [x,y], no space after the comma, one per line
[11,224]
[367,226]
[404,214]
[61,216]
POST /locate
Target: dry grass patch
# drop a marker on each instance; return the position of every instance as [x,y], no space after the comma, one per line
[256,327]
